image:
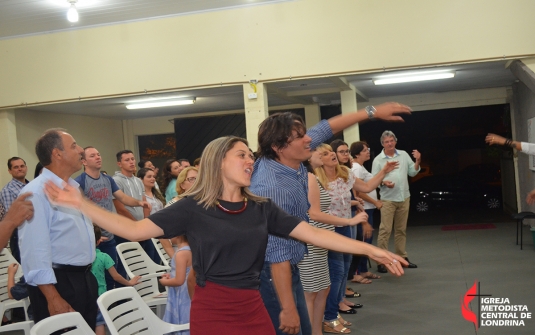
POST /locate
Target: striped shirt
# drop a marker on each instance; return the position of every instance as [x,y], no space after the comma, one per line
[288,188]
[10,192]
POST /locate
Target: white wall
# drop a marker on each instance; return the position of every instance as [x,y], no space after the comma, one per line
[302,38]
[103,134]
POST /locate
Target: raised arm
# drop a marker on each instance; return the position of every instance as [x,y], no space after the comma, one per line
[372,184]
[20,211]
[388,112]
[315,212]
[115,224]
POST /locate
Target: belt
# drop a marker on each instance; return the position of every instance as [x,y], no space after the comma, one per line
[71,268]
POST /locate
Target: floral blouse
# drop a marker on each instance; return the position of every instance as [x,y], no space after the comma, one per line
[340,192]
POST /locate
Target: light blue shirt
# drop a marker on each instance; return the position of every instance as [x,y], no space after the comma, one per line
[54,235]
[400,191]
[288,188]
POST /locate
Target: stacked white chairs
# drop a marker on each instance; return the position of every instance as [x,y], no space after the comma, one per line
[161,251]
[137,263]
[6,303]
[126,313]
[5,260]
[72,321]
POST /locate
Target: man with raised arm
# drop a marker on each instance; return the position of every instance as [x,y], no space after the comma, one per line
[283,143]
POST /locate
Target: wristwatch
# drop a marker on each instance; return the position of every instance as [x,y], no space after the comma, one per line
[370,110]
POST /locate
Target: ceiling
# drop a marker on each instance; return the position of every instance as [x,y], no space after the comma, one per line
[27,17]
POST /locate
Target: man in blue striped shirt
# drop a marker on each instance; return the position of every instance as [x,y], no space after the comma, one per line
[283,144]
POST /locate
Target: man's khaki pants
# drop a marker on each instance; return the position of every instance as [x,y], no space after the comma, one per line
[394,214]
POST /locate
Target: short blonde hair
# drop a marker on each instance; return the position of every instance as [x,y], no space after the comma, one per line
[209,184]
[182,177]
[341,170]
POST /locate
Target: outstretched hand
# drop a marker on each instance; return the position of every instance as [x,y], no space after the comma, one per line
[67,196]
[390,166]
[392,262]
[530,199]
[494,139]
[389,111]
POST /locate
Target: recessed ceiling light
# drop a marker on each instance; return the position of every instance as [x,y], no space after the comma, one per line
[412,77]
[156,104]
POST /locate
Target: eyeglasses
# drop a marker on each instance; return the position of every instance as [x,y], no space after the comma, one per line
[191,179]
[343,152]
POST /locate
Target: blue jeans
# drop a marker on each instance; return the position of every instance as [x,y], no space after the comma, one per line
[271,301]
[108,247]
[338,269]
[362,266]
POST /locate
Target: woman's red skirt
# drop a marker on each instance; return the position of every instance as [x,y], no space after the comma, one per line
[217,309]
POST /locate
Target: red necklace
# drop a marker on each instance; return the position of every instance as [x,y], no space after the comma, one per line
[231,211]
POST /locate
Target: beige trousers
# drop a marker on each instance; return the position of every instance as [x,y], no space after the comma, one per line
[394,214]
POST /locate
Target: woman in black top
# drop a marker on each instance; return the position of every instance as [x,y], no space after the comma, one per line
[227,227]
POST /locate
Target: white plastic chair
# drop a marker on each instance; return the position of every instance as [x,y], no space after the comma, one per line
[8,304]
[5,260]
[132,315]
[161,251]
[61,321]
[137,263]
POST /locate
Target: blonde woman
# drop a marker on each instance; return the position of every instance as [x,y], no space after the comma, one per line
[339,180]
[185,180]
[227,227]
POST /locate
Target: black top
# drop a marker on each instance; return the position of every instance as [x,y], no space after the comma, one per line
[227,249]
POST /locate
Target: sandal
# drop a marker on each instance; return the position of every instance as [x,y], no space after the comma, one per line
[334,327]
[360,279]
[344,322]
[371,275]
[350,293]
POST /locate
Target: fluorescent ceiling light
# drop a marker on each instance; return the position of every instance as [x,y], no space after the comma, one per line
[166,103]
[407,78]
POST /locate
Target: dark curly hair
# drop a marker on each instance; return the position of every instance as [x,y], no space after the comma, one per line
[277,131]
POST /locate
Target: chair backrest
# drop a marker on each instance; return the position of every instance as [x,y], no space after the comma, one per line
[137,262]
[161,251]
[5,260]
[126,313]
[6,303]
[54,323]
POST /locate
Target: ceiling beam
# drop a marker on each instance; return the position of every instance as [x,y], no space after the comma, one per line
[523,73]
[272,90]
[313,91]
[361,97]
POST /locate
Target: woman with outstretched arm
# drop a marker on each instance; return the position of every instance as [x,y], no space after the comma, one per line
[227,228]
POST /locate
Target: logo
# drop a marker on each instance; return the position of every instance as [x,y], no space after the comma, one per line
[492,311]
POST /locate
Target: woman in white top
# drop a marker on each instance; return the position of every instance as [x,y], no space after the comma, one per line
[360,151]
[527,148]
[153,196]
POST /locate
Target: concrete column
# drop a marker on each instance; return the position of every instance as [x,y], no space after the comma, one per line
[312,115]
[256,111]
[349,105]
[8,138]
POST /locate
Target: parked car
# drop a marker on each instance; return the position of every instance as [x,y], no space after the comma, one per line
[489,174]
[453,191]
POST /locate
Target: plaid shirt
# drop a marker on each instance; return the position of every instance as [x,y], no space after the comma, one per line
[288,188]
[10,192]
